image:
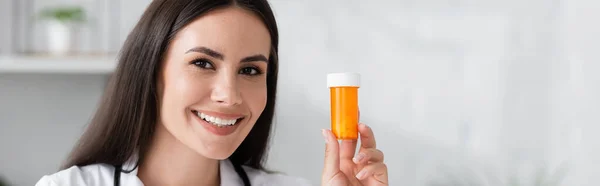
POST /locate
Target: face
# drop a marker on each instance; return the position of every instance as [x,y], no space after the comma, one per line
[213,84]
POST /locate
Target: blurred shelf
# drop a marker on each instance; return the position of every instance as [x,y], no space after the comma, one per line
[74,64]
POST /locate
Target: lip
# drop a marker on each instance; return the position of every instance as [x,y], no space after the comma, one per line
[220,131]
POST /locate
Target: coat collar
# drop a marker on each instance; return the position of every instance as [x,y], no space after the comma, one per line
[226,171]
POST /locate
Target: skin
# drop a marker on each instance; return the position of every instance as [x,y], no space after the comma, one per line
[343,168]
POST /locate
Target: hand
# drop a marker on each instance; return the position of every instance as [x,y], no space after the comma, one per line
[342,168]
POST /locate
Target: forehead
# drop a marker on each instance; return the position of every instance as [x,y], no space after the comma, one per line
[232,31]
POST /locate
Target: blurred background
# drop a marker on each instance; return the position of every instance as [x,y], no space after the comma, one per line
[459,92]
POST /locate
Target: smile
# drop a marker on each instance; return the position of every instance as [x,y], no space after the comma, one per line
[217,121]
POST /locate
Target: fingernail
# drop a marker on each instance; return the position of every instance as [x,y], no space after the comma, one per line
[323,132]
[361,174]
[358,157]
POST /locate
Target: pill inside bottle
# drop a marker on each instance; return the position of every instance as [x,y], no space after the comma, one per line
[343,89]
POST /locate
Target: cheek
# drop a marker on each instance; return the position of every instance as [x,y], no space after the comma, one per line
[174,91]
[256,99]
[179,93]
[187,87]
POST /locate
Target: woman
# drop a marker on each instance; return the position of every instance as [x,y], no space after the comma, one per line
[191,103]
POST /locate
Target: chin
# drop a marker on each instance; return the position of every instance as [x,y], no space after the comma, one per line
[219,156]
[218,142]
[218,153]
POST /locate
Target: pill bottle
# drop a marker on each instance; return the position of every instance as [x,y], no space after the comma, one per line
[343,89]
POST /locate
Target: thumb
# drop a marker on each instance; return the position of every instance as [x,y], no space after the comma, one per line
[332,155]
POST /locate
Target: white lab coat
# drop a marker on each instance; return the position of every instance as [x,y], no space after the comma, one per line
[103,175]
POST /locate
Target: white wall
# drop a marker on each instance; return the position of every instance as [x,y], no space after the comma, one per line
[41,117]
[478,90]
[5,15]
[578,89]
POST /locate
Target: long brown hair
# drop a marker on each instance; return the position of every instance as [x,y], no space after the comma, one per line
[128,112]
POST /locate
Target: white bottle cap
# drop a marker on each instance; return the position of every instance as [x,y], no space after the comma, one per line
[346,79]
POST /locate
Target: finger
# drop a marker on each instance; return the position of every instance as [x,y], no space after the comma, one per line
[377,170]
[332,156]
[368,155]
[367,139]
[347,149]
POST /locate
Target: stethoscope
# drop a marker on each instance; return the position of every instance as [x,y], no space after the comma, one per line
[238,168]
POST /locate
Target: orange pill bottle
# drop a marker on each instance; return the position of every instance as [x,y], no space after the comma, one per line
[343,89]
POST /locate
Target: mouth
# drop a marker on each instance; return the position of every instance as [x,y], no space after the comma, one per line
[218,121]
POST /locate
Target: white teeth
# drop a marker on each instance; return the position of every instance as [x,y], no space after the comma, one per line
[216,121]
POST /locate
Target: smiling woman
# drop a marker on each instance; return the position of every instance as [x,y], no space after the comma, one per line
[192,103]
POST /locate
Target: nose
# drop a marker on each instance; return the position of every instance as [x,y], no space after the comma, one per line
[225,90]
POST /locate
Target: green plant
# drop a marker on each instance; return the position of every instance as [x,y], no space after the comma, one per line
[64,14]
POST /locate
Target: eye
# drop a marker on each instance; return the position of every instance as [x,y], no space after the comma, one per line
[203,63]
[251,71]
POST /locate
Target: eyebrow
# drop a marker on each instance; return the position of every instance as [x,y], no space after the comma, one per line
[257,57]
[215,54]
[206,51]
